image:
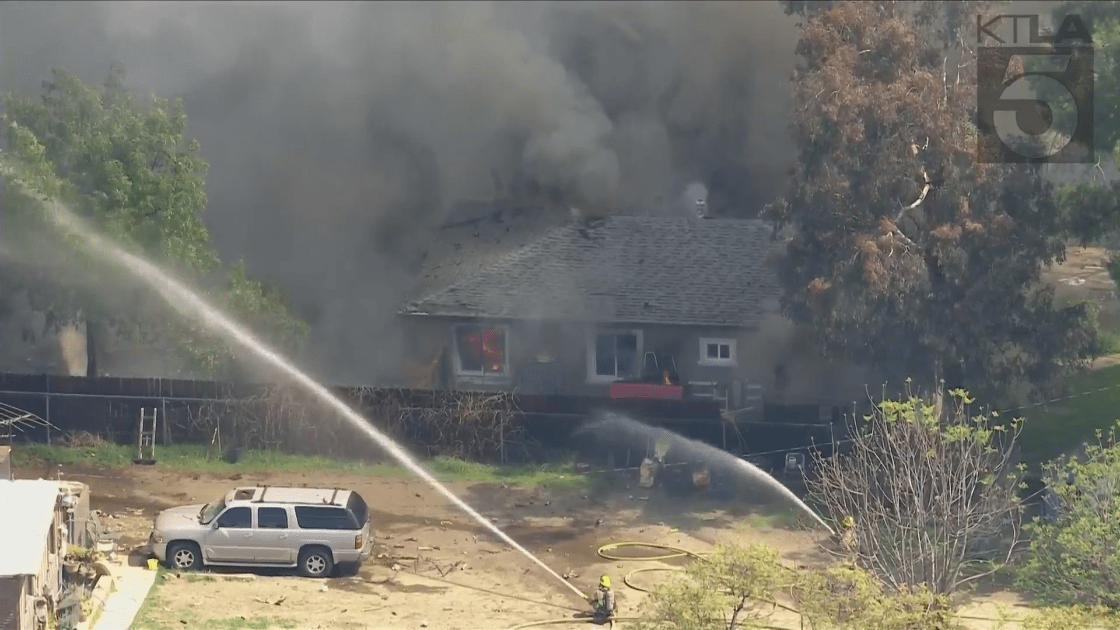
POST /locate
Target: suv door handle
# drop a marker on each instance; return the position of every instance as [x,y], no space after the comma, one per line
[249,535]
[283,536]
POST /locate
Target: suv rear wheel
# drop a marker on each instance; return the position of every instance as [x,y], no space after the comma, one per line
[184,556]
[316,562]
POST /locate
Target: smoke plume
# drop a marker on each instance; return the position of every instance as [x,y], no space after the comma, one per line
[339,134]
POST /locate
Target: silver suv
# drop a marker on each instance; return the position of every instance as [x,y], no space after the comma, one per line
[312,529]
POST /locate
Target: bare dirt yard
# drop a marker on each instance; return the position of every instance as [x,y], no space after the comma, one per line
[433,567]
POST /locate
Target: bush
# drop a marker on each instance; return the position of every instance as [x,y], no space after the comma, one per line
[1074,558]
[850,598]
[733,587]
[1071,618]
[737,587]
[927,492]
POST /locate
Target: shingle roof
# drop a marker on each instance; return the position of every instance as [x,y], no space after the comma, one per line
[637,270]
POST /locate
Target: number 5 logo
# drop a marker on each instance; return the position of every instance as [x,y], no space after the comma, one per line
[1007,113]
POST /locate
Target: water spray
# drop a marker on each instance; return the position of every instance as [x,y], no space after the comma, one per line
[633,427]
[180,297]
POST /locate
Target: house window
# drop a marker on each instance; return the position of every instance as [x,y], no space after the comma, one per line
[719,352]
[481,350]
[614,355]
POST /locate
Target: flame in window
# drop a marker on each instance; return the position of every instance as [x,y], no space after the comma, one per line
[489,343]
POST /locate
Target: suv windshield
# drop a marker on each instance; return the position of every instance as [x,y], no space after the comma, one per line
[210,510]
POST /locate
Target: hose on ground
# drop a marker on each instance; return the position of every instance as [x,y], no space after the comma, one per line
[674,552]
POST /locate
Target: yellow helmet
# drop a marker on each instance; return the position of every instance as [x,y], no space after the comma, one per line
[605,581]
[848,522]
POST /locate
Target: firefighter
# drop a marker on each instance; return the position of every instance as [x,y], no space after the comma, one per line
[848,540]
[602,602]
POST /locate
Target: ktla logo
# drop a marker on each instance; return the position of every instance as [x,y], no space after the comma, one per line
[1017,98]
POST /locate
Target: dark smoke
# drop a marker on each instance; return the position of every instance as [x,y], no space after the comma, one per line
[339,133]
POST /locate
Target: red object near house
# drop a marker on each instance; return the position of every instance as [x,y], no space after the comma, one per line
[655,391]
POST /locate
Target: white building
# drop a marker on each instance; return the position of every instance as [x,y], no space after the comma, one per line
[32,544]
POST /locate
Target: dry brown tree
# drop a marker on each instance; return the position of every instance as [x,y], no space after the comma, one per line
[931,491]
[907,254]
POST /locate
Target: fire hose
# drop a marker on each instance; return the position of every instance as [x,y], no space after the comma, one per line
[673,553]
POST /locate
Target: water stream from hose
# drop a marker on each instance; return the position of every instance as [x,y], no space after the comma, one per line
[616,426]
[182,298]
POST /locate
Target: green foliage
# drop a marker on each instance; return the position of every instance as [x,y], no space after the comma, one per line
[1075,558]
[850,598]
[732,588]
[738,586]
[1070,618]
[125,166]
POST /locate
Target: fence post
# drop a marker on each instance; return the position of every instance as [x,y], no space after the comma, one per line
[163,412]
[47,398]
[502,442]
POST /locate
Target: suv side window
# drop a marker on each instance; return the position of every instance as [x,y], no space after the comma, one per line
[315,517]
[272,518]
[236,518]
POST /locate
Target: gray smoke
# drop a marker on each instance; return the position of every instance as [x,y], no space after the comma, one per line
[339,133]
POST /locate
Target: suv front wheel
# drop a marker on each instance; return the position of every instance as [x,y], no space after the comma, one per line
[184,556]
[316,562]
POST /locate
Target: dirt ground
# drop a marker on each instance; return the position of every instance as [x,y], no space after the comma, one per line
[433,566]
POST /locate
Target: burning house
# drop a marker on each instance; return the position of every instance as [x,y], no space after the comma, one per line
[620,307]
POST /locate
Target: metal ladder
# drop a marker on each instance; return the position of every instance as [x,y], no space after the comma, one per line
[146,436]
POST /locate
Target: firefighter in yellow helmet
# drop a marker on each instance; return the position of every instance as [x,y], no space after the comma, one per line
[602,602]
[848,540]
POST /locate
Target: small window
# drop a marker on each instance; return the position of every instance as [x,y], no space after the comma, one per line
[480,350]
[272,518]
[236,518]
[315,517]
[719,352]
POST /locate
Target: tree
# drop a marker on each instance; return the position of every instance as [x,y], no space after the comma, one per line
[930,491]
[906,253]
[1092,208]
[126,167]
[1075,558]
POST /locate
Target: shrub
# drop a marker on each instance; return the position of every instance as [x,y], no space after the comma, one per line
[1071,618]
[733,587]
[927,492]
[1074,558]
[851,598]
